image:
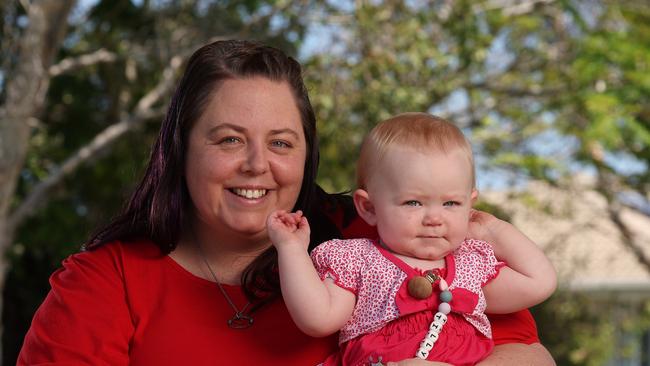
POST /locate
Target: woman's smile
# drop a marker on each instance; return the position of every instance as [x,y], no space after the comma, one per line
[249,193]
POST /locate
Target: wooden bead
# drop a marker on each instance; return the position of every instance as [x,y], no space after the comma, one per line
[419,287]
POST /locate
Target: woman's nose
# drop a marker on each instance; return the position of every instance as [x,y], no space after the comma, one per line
[256,162]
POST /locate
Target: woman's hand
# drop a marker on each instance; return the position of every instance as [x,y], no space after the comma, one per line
[288,229]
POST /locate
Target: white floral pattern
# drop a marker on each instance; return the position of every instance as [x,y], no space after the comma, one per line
[358,266]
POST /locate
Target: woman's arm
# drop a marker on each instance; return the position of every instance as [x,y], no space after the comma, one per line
[512,354]
[516,354]
[529,277]
[319,308]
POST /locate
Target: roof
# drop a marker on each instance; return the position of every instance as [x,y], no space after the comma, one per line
[574,229]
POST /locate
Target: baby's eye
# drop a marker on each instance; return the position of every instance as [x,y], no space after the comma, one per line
[413,203]
[451,203]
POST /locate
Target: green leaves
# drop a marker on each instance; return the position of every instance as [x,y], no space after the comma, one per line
[541,89]
[547,92]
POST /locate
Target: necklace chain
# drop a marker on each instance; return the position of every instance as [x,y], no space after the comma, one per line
[240,320]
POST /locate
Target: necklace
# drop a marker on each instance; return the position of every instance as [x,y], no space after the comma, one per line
[240,320]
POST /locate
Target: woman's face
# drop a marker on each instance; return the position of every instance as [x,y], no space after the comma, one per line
[246,157]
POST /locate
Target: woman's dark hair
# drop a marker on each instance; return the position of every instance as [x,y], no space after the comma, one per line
[160,204]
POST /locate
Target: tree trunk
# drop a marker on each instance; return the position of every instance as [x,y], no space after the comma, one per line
[26,90]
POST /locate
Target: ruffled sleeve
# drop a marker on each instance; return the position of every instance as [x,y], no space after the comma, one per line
[342,261]
[480,257]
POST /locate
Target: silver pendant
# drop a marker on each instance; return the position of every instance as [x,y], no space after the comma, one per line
[240,321]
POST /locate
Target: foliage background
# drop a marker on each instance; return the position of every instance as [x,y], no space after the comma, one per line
[545,89]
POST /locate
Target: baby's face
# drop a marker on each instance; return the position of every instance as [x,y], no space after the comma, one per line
[422,201]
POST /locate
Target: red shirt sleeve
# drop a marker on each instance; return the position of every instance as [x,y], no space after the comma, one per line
[518,327]
[84,319]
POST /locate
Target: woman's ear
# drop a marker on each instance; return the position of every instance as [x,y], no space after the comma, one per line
[364,206]
[474,196]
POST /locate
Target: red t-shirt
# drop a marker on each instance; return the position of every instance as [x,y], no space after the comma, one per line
[127,304]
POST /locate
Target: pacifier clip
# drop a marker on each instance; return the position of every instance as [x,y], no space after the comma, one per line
[440,318]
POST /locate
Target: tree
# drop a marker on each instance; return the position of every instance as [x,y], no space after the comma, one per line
[25,98]
[544,89]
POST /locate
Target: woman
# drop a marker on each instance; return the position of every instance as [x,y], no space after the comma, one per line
[187,274]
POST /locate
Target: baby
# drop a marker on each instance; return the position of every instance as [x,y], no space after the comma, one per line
[422,288]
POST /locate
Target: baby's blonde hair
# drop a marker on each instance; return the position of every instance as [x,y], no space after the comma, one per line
[419,131]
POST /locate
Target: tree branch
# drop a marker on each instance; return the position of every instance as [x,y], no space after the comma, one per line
[628,238]
[511,7]
[608,185]
[143,111]
[534,90]
[25,90]
[25,4]
[71,63]
[164,86]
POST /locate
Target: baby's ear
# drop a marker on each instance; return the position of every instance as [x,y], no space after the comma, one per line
[474,196]
[364,206]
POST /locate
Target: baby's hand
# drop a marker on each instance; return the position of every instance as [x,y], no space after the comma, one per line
[483,226]
[288,228]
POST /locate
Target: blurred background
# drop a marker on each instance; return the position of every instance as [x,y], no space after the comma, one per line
[554,94]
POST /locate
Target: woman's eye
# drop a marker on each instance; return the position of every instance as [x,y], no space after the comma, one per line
[280,143]
[451,203]
[230,140]
[413,203]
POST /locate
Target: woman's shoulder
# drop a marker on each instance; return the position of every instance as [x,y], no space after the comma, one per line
[333,216]
[112,257]
[340,211]
[119,270]
[134,249]
[96,293]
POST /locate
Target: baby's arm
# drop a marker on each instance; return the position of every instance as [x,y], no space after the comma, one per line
[319,308]
[529,277]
